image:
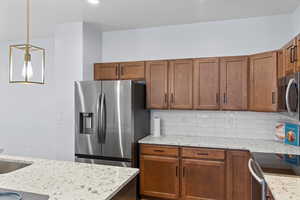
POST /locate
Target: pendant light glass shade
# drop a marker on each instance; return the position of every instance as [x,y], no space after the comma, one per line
[26,61]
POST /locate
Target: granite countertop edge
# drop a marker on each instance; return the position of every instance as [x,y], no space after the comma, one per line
[65,180]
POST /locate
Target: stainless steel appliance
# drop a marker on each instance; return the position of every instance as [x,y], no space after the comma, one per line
[289,96]
[259,186]
[110,116]
[276,164]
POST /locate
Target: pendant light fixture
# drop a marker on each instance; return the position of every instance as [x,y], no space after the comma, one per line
[26,61]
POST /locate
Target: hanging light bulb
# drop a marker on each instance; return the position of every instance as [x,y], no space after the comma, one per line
[23,72]
[27,70]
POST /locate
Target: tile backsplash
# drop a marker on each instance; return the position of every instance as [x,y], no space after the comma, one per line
[217,123]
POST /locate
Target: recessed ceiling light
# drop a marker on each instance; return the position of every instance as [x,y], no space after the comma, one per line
[93,2]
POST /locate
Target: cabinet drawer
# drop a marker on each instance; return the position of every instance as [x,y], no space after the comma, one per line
[200,153]
[159,150]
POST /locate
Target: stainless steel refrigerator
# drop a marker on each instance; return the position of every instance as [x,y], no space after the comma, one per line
[110,117]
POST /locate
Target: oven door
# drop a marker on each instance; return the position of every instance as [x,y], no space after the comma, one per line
[292,96]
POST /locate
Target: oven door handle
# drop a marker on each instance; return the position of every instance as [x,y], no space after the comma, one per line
[287,95]
[258,179]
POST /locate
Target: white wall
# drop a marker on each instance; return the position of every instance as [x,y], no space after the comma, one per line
[296,21]
[38,120]
[68,54]
[27,119]
[92,46]
[222,38]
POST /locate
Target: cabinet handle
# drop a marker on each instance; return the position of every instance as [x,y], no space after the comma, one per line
[295,53]
[202,154]
[176,171]
[122,71]
[172,98]
[166,98]
[160,151]
[117,70]
[273,98]
[225,98]
[291,55]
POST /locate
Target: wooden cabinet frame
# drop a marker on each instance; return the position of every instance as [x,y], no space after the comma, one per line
[234,83]
[269,88]
[229,170]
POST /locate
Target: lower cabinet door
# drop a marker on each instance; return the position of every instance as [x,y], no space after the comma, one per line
[159,176]
[238,175]
[203,180]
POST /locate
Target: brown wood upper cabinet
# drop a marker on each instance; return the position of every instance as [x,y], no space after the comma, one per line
[132,71]
[263,82]
[157,84]
[234,83]
[170,84]
[206,93]
[181,84]
[238,175]
[116,71]
[289,51]
[106,71]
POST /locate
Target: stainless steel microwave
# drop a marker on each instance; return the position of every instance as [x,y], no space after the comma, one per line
[289,96]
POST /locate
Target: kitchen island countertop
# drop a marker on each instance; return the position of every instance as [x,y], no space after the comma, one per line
[63,180]
[282,187]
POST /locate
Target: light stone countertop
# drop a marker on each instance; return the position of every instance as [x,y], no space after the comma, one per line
[252,145]
[282,187]
[63,180]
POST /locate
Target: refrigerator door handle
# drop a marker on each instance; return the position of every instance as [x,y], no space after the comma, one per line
[103,117]
[101,123]
[99,120]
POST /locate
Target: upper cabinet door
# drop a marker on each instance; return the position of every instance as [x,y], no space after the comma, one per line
[157,84]
[206,93]
[181,84]
[132,71]
[263,82]
[234,83]
[289,57]
[106,71]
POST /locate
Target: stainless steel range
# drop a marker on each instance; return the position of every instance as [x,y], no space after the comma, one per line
[110,116]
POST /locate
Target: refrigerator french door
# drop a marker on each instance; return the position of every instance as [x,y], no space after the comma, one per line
[110,118]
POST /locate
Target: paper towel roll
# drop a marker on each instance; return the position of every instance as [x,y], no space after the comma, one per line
[156,127]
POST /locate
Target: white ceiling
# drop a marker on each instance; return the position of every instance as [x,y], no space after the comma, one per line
[130,14]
